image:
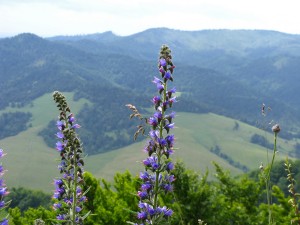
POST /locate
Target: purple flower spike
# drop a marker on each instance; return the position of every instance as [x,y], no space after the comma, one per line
[156,178]
[70,183]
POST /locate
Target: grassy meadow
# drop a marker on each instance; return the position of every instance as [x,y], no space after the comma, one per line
[30,163]
[196,134]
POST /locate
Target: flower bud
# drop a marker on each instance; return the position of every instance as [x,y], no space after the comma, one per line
[276,128]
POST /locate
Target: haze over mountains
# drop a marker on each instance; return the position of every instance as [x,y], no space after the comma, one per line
[228,72]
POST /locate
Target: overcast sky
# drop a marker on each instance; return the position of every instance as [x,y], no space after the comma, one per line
[124,17]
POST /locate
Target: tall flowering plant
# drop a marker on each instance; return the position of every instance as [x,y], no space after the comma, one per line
[68,195]
[156,179]
[3,191]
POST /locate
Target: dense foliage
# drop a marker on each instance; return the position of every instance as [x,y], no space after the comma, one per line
[223,201]
[261,140]
[13,123]
[24,199]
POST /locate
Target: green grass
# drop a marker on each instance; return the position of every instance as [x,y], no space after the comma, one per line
[195,135]
[30,163]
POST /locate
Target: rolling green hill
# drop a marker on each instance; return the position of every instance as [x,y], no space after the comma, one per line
[195,136]
[30,163]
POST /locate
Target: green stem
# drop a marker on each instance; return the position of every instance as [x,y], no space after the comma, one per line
[161,127]
[74,189]
[268,182]
[74,186]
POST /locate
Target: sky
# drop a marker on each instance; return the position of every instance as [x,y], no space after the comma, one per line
[125,17]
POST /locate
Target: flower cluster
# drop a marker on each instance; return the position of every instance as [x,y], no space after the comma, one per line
[156,179]
[68,195]
[3,190]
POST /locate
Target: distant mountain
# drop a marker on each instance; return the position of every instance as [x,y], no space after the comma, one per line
[228,72]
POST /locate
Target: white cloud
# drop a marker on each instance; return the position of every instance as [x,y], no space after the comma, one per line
[54,17]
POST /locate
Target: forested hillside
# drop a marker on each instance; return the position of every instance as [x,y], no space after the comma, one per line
[221,71]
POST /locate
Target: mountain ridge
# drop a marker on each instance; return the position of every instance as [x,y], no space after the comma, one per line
[211,78]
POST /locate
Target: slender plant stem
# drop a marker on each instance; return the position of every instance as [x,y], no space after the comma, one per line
[268,181]
[74,188]
[161,127]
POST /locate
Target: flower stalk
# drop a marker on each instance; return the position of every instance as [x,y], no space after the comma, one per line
[156,179]
[68,188]
[276,130]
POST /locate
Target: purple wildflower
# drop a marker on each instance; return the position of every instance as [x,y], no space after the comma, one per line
[156,178]
[3,191]
[60,125]
[162,62]
[167,76]
[169,126]
[68,189]
[168,187]
[4,222]
[2,153]
[146,186]
[167,212]
[162,142]
[60,146]
[157,81]
[156,100]
[169,166]
[142,215]
[75,126]
[158,115]
[142,195]
[153,122]
[144,176]
[60,135]
[60,217]
[154,134]
[57,206]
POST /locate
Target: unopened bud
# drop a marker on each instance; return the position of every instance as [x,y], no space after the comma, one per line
[276,128]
